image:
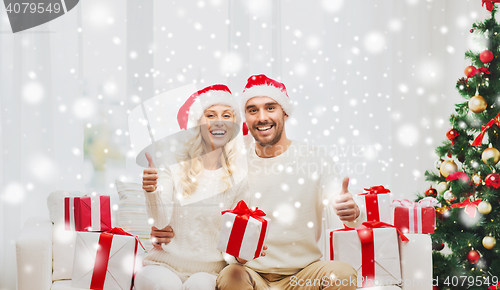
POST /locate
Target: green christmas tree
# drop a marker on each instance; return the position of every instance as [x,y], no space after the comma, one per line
[467,184]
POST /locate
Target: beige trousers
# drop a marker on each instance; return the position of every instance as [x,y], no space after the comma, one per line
[327,275]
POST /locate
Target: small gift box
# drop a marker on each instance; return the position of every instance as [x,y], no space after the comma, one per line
[243,232]
[87,213]
[105,260]
[376,203]
[372,249]
[415,217]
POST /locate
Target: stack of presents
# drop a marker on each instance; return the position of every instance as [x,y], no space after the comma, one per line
[105,257]
[389,237]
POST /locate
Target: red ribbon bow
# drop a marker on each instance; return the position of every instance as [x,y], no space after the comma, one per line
[479,138]
[494,287]
[242,209]
[458,175]
[120,231]
[376,189]
[489,4]
[470,206]
[477,71]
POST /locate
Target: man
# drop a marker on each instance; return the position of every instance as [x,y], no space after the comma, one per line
[291,182]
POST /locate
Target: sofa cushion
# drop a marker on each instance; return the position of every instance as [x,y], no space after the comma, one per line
[131,214]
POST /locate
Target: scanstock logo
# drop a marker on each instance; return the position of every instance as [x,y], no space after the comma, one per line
[26,14]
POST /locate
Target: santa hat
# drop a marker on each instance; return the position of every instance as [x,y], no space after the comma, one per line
[262,86]
[193,109]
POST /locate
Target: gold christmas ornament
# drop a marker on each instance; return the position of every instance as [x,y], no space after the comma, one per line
[484,207]
[489,242]
[447,167]
[477,104]
[490,153]
[442,187]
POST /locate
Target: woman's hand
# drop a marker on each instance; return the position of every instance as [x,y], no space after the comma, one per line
[150,175]
[161,236]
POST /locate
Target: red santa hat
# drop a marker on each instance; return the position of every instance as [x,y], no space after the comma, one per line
[193,109]
[262,86]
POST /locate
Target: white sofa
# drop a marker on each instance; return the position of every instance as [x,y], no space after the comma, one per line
[44,251]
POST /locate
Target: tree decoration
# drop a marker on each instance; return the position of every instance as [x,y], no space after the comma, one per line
[469,71]
[431,192]
[442,187]
[489,4]
[490,156]
[473,256]
[477,104]
[452,134]
[484,207]
[486,56]
[489,242]
[479,139]
[492,180]
[448,167]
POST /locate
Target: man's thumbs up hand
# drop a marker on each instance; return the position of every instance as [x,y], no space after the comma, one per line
[150,175]
[345,207]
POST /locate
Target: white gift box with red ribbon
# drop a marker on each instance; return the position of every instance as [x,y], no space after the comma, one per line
[372,249]
[243,232]
[87,213]
[415,217]
[376,204]
[105,261]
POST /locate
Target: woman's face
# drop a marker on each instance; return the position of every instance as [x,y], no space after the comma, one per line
[219,121]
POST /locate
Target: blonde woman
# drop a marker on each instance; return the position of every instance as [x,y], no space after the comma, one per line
[209,177]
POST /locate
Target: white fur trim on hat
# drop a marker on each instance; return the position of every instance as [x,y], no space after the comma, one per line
[206,100]
[269,91]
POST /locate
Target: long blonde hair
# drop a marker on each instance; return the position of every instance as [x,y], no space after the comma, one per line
[191,162]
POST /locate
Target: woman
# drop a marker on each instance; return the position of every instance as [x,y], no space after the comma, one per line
[207,179]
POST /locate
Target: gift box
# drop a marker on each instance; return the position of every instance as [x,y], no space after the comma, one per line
[105,260]
[372,249]
[415,217]
[243,232]
[416,262]
[87,213]
[376,204]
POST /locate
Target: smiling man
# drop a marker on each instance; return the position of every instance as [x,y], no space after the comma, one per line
[291,182]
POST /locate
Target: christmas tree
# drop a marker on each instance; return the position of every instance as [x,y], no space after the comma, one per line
[467,184]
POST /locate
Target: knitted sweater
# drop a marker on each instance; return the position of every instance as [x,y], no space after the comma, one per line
[292,189]
[196,222]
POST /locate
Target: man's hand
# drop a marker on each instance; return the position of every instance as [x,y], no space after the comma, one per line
[150,175]
[162,236]
[345,207]
[263,254]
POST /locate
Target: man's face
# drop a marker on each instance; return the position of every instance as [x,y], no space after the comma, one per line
[265,120]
